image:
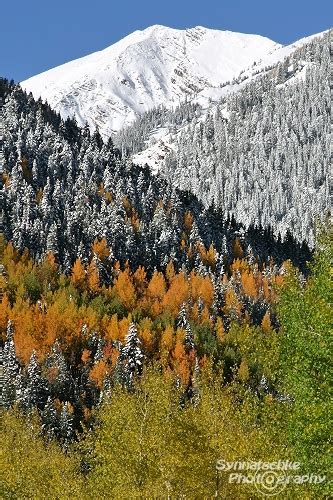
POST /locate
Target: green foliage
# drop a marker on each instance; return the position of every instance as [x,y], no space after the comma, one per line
[32,469]
[32,286]
[305,316]
[147,446]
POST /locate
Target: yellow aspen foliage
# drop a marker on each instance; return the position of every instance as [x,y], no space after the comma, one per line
[85,355]
[78,277]
[98,372]
[112,329]
[266,322]
[93,277]
[101,249]
[243,371]
[125,290]
[183,244]
[237,249]
[188,221]
[249,284]
[220,332]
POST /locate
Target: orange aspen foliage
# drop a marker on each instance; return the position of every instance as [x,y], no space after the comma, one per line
[23,335]
[177,294]
[249,284]
[112,329]
[279,280]
[140,280]
[124,326]
[211,257]
[78,277]
[156,288]
[4,315]
[101,249]
[85,356]
[237,249]
[181,364]
[114,357]
[93,277]
[239,265]
[266,322]
[98,372]
[202,287]
[156,291]
[125,290]
[194,312]
[51,261]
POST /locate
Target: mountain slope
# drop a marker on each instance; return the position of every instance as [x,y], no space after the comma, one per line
[158,65]
[261,152]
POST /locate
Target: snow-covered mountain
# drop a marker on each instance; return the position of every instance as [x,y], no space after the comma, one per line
[158,65]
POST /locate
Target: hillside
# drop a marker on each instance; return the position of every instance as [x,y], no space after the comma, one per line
[260,152]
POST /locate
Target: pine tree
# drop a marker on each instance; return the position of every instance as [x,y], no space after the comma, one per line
[66,428]
[36,390]
[50,421]
[11,390]
[131,357]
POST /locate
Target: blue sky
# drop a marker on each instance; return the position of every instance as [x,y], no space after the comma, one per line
[36,35]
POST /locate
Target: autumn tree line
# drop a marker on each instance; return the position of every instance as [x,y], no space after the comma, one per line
[140,383]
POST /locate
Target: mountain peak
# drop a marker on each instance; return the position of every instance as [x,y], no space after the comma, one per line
[154,66]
